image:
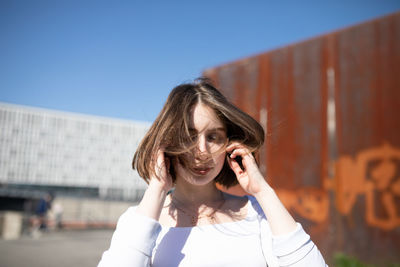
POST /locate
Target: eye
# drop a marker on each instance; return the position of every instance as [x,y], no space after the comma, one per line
[193,136]
[216,137]
[212,137]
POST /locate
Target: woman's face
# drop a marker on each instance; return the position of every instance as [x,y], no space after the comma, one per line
[209,135]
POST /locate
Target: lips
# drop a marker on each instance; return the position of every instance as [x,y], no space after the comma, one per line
[201,170]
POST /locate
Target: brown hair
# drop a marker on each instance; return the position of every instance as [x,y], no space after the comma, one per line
[170,130]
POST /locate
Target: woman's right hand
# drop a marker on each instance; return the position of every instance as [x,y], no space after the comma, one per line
[159,185]
[162,178]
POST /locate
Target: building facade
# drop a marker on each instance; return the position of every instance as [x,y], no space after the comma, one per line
[67,153]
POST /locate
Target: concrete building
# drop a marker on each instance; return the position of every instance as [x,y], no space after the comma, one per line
[70,154]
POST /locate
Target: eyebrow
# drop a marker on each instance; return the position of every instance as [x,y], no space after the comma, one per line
[222,129]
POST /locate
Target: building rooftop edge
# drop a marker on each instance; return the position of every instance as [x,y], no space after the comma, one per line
[71,113]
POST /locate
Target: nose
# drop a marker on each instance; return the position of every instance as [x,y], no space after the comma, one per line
[202,145]
[202,148]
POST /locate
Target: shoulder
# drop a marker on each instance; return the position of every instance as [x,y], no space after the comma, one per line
[130,220]
[127,216]
[254,206]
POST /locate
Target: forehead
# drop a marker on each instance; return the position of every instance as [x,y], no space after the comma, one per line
[203,117]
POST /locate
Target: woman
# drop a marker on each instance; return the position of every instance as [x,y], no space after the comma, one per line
[198,140]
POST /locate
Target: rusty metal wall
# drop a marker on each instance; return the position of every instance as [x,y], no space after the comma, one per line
[331,110]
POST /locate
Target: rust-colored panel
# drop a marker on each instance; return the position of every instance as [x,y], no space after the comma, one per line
[246,82]
[226,81]
[357,94]
[387,68]
[280,124]
[262,99]
[368,138]
[330,107]
[297,116]
[310,116]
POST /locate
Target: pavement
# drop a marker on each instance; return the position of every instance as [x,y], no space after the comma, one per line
[57,248]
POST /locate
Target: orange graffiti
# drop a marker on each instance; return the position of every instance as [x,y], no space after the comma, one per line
[374,173]
[310,203]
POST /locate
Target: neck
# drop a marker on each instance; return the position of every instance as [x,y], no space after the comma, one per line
[197,195]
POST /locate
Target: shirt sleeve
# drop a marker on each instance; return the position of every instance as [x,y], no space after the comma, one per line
[294,249]
[132,242]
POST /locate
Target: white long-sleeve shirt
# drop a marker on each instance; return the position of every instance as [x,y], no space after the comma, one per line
[142,241]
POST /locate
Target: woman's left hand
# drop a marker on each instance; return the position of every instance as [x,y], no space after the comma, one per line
[249,177]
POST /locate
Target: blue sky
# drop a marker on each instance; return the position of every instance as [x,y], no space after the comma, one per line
[121,58]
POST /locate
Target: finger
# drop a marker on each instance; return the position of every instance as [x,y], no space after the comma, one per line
[242,152]
[238,149]
[160,157]
[247,158]
[160,163]
[233,146]
[156,155]
[235,167]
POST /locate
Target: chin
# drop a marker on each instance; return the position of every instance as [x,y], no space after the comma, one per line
[199,178]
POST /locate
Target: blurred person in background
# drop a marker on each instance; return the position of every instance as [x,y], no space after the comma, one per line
[43,206]
[199,140]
